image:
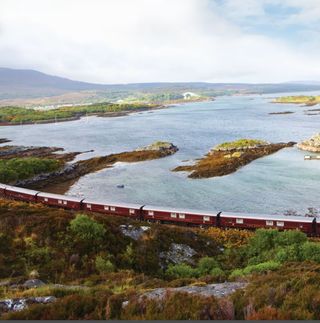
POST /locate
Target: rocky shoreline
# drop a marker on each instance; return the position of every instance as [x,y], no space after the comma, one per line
[61,180]
[312,145]
[223,161]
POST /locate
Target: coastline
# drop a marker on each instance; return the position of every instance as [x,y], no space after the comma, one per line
[106,114]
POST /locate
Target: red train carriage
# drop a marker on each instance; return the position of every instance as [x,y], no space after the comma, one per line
[21,194]
[252,221]
[123,209]
[156,213]
[2,189]
[64,201]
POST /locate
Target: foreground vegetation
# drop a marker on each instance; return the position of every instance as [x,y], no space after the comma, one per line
[17,115]
[102,268]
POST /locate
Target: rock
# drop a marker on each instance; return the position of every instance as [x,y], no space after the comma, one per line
[313,144]
[33,283]
[19,304]
[178,253]
[216,290]
[133,232]
[160,146]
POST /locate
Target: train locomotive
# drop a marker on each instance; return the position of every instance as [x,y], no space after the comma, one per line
[220,219]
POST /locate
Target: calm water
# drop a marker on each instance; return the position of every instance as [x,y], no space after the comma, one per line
[272,184]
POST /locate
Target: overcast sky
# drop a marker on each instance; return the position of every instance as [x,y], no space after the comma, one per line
[122,41]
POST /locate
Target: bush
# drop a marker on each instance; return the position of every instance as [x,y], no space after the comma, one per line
[104,265]
[259,268]
[218,274]
[206,264]
[311,251]
[180,271]
[87,229]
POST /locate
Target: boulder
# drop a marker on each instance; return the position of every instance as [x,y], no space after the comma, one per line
[19,304]
[177,253]
[133,232]
[216,290]
[33,283]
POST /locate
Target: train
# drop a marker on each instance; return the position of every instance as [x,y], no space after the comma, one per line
[220,219]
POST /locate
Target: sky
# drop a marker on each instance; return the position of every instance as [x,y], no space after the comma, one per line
[131,41]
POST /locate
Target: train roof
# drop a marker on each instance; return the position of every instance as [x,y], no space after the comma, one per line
[274,217]
[178,210]
[60,197]
[116,204]
[20,190]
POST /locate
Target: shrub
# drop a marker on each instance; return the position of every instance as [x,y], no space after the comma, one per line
[217,273]
[311,251]
[262,267]
[87,229]
[206,264]
[104,265]
[180,271]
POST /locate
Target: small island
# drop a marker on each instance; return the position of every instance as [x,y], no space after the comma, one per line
[42,168]
[227,157]
[312,144]
[284,112]
[299,99]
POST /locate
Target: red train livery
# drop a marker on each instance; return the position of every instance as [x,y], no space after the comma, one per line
[222,219]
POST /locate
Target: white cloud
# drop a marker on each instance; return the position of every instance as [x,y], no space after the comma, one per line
[115,41]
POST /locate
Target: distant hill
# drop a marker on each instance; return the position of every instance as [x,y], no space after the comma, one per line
[32,87]
[30,84]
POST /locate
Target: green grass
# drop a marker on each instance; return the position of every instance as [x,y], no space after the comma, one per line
[21,168]
[24,115]
[238,144]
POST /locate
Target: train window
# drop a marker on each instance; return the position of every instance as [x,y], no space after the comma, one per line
[112,208]
[269,222]
[206,218]
[239,221]
[60,201]
[182,216]
[280,223]
[45,199]
[131,211]
[150,213]
[65,202]
[106,208]
[173,215]
[89,206]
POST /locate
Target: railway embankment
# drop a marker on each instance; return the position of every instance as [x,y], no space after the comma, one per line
[228,157]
